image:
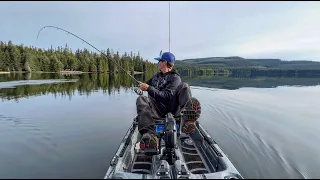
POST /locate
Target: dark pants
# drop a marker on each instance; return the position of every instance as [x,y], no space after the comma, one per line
[148,110]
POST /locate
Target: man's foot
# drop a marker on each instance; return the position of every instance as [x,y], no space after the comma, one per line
[148,141]
[190,115]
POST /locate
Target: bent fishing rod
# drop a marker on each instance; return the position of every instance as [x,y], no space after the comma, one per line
[89,45]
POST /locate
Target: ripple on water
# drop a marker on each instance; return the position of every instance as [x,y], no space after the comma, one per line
[13,84]
[23,138]
[252,133]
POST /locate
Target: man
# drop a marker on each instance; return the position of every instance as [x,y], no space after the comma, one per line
[161,89]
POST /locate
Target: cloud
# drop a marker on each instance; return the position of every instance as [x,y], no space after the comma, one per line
[198,29]
[301,35]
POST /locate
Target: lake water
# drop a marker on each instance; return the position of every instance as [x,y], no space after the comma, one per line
[53,128]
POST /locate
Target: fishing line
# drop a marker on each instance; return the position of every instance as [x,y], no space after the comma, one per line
[138,90]
[88,44]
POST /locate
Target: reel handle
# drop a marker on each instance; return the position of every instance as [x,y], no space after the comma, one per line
[138,91]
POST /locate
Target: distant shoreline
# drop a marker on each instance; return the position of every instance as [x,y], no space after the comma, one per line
[72,72]
[137,72]
[61,72]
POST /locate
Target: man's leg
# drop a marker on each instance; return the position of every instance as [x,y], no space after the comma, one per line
[180,99]
[145,120]
[188,105]
[146,112]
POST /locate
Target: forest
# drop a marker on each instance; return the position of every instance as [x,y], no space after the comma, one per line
[240,62]
[20,58]
[241,67]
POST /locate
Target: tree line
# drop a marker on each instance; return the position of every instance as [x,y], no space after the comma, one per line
[31,59]
[239,62]
[274,72]
[188,70]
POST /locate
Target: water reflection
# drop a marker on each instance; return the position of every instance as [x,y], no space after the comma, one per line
[233,83]
[85,84]
[263,132]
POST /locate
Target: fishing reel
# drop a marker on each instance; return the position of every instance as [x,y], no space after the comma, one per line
[138,91]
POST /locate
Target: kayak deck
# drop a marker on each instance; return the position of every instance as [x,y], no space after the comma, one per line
[194,156]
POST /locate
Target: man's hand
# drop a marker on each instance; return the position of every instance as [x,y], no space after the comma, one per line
[143,86]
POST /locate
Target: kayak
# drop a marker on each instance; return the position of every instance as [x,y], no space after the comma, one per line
[178,156]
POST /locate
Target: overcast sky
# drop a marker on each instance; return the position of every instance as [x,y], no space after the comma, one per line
[286,30]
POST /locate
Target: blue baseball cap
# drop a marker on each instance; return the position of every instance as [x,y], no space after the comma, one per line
[167,56]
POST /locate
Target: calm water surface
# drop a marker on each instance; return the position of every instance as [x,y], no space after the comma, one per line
[71,129]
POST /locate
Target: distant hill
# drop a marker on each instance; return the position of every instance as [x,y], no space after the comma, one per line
[239,62]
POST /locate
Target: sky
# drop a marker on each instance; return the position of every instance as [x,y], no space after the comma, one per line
[284,30]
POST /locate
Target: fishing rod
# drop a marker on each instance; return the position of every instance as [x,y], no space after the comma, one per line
[88,44]
[169,30]
[169,25]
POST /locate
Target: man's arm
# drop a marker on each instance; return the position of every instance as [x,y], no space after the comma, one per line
[165,95]
[150,80]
